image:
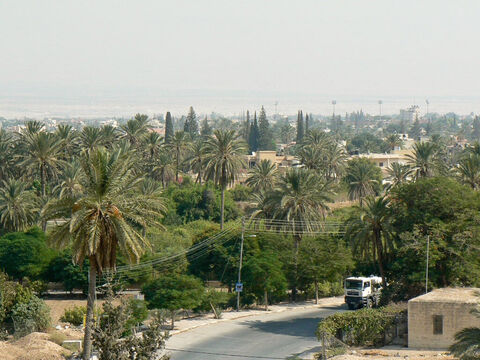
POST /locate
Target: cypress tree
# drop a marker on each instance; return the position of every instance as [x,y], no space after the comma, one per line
[307,123]
[206,129]
[191,124]
[265,136]
[300,129]
[168,127]
[253,136]
[246,129]
[476,128]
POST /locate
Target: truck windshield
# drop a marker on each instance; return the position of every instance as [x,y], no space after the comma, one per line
[354,284]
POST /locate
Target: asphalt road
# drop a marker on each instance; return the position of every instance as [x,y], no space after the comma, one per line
[267,336]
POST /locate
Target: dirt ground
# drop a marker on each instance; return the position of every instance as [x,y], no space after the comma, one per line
[57,307]
[36,346]
[394,353]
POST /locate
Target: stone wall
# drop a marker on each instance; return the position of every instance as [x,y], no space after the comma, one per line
[456,316]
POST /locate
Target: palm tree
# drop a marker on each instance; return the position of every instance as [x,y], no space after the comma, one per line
[18,206]
[68,137]
[469,170]
[371,232]
[107,216]
[6,155]
[42,156]
[397,174]
[263,176]
[423,159]
[335,158]
[163,167]
[71,184]
[135,129]
[178,143]
[362,178]
[393,140]
[90,138]
[152,143]
[298,203]
[467,342]
[316,137]
[311,157]
[108,135]
[195,159]
[224,157]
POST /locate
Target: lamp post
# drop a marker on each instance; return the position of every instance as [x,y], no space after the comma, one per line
[426,270]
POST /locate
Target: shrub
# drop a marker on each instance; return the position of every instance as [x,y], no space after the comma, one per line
[138,312]
[74,315]
[241,193]
[31,316]
[362,327]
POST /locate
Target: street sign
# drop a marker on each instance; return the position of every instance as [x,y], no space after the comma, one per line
[238,287]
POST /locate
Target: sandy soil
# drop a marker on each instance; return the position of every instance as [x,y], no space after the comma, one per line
[35,346]
[395,353]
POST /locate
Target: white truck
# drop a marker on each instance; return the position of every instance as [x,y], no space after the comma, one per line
[363,291]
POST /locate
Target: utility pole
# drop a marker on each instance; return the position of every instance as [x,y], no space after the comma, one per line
[240,264]
[426,270]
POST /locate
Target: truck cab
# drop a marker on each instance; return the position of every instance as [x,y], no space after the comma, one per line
[362,291]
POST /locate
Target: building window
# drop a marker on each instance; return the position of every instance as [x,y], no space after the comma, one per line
[381,164]
[437,324]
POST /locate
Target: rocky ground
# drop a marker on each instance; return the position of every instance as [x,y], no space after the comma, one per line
[394,353]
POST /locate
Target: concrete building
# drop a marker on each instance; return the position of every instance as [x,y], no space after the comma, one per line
[435,318]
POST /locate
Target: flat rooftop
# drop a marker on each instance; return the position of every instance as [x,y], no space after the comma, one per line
[450,295]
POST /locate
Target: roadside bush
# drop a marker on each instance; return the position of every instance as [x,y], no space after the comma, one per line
[215,301]
[74,315]
[365,327]
[31,316]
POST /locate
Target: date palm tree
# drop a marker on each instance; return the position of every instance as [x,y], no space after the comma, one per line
[393,140]
[467,341]
[135,129]
[397,174]
[362,178]
[371,232]
[108,216]
[18,206]
[423,159]
[90,138]
[178,144]
[224,158]
[469,170]
[298,204]
[41,156]
[196,159]
[263,176]
[6,155]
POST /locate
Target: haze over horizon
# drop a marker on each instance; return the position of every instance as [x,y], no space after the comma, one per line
[112,57]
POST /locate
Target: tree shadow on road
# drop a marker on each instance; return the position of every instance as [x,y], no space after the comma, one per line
[303,328]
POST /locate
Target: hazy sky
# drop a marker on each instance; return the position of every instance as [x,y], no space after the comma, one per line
[333,48]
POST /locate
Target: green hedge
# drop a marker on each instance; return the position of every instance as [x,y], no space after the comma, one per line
[364,327]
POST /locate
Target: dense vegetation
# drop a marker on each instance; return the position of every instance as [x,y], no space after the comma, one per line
[104,196]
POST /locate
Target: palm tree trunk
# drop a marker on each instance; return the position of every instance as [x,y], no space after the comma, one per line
[316,291]
[222,208]
[43,179]
[379,246]
[266,300]
[87,339]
